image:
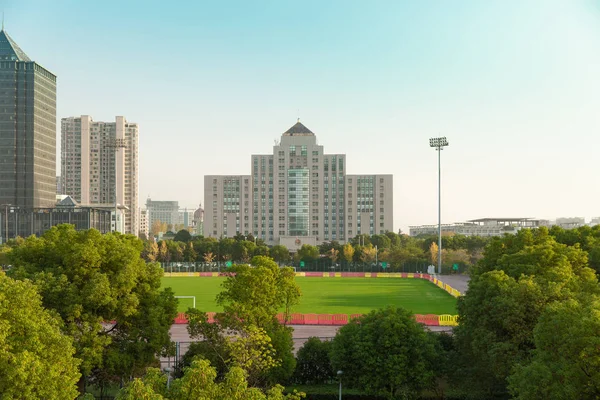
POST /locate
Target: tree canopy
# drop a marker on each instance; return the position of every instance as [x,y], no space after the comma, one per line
[90,279]
[36,358]
[386,353]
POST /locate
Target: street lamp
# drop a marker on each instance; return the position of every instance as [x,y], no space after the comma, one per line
[339,374]
[439,144]
[114,144]
[168,372]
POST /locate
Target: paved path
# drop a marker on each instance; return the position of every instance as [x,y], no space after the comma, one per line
[301,333]
[458,282]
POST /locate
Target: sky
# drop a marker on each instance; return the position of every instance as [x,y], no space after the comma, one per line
[514,86]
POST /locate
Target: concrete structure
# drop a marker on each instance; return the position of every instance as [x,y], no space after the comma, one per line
[480,227]
[144,223]
[91,170]
[164,211]
[570,222]
[594,221]
[298,193]
[27,130]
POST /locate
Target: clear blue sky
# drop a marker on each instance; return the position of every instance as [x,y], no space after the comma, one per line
[514,85]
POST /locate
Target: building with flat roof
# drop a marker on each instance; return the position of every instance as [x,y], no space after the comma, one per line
[94,172]
[27,129]
[480,227]
[23,222]
[164,212]
[297,195]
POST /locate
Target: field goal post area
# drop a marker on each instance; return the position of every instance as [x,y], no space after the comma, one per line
[188,297]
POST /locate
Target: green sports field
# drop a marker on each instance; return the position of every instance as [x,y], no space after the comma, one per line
[333,295]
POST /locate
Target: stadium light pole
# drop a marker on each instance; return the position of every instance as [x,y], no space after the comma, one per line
[439,144]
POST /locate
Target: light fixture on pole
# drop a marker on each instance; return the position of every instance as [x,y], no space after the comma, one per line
[114,144]
[339,374]
[439,144]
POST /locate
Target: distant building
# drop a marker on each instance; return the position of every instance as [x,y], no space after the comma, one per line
[93,172]
[480,227]
[594,221]
[144,225]
[186,218]
[570,222]
[298,195]
[199,220]
[166,212]
[27,130]
[23,222]
[58,185]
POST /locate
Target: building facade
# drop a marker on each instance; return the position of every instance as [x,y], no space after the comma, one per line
[144,225]
[297,195]
[27,129]
[23,222]
[166,212]
[94,171]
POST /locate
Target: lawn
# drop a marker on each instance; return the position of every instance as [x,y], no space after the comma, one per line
[333,295]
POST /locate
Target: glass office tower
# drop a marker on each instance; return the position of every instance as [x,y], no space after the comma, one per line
[27,130]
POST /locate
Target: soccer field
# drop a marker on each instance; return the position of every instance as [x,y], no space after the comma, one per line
[333,295]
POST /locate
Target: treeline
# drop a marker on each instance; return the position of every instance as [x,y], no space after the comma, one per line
[529,328]
[81,308]
[390,248]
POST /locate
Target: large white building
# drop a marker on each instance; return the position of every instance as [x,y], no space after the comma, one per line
[296,195]
[94,173]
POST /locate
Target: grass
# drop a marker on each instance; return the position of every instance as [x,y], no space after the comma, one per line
[333,295]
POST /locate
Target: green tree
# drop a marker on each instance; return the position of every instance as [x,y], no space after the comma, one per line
[251,300]
[308,253]
[88,279]
[36,358]
[510,288]
[199,381]
[386,353]
[189,254]
[279,253]
[566,359]
[313,362]
[183,235]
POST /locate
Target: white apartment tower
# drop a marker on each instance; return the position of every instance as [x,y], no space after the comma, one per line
[144,223]
[93,173]
[298,195]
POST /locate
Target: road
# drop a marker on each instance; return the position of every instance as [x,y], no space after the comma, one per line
[301,334]
[458,282]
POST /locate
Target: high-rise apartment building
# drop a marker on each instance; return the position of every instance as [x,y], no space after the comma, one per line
[298,195]
[27,129]
[144,223]
[95,172]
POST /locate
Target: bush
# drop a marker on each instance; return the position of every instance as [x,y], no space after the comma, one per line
[313,364]
[386,353]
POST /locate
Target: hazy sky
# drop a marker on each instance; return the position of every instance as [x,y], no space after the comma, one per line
[513,85]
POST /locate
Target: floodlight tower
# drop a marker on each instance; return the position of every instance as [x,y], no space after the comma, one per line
[439,144]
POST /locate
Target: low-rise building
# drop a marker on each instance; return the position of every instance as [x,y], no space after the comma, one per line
[480,227]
